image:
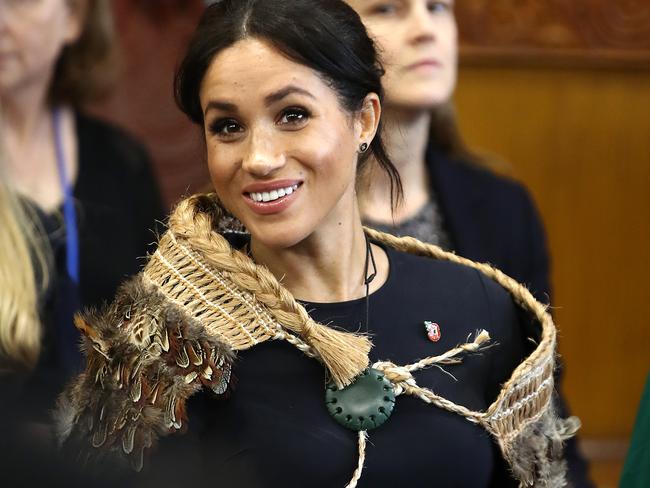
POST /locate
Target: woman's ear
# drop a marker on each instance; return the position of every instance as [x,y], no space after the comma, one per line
[368,118]
[77,11]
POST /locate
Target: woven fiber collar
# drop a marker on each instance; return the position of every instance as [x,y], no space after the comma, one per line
[177,326]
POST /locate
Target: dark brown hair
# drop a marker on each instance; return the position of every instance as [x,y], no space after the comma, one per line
[328,37]
[85,69]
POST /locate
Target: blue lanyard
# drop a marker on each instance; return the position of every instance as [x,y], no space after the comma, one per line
[69,212]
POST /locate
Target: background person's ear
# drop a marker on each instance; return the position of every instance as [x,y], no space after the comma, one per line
[77,12]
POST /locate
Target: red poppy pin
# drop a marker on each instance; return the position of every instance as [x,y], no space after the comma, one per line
[433,331]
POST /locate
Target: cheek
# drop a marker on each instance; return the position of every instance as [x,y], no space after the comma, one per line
[451,53]
[222,170]
[40,41]
[332,153]
[450,39]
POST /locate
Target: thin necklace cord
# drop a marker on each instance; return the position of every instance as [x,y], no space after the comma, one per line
[367,279]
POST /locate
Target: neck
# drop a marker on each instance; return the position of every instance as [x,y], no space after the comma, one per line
[315,270]
[24,110]
[406,137]
[27,137]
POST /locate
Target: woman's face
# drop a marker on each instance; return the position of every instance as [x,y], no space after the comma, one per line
[282,152]
[32,35]
[418,43]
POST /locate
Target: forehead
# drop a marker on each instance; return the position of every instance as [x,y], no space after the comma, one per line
[358,3]
[250,69]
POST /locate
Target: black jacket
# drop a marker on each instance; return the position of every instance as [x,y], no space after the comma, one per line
[491,219]
[117,203]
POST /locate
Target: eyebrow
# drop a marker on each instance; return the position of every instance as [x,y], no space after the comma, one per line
[219,105]
[285,92]
[270,99]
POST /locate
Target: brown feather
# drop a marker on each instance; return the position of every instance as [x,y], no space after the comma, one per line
[145,358]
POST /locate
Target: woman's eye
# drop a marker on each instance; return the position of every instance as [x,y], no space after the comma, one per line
[384,9]
[293,116]
[225,128]
[439,6]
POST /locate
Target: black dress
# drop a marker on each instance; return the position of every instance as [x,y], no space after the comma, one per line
[489,218]
[274,429]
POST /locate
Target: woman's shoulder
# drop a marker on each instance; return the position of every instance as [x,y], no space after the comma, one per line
[112,159]
[454,281]
[102,141]
[455,284]
[472,175]
[463,299]
[424,269]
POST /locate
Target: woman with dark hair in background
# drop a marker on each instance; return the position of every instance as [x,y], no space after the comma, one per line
[288,94]
[86,186]
[450,197]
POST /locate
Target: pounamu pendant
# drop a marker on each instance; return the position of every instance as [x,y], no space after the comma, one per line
[365,404]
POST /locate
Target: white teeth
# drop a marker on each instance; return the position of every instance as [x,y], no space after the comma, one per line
[273,194]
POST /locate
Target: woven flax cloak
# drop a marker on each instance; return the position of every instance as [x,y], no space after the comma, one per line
[177,326]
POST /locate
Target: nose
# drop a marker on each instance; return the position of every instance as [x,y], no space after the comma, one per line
[264,156]
[421,25]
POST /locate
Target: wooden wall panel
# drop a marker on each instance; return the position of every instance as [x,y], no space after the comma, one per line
[549,31]
[581,141]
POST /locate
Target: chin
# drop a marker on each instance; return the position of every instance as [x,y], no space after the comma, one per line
[8,82]
[425,99]
[421,94]
[277,236]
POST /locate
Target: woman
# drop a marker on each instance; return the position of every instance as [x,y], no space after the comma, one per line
[89,184]
[450,198]
[291,113]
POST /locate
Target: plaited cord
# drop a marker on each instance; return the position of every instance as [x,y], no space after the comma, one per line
[363,437]
[524,399]
[404,383]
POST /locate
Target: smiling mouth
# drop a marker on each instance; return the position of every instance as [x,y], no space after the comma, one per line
[273,195]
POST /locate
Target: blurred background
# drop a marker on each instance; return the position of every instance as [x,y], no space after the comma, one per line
[560,91]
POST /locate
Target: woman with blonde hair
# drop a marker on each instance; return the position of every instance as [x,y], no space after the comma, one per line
[86,184]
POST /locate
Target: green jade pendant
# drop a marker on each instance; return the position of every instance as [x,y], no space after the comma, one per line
[363,405]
